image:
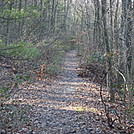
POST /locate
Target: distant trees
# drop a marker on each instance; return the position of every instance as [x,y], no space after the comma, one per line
[108,25]
[32,20]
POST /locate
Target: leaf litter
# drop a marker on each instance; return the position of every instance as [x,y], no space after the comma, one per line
[66,104]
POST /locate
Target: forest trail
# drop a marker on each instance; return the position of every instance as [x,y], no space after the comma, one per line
[67,104]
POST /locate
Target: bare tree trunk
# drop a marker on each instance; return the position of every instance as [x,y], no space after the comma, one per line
[97,29]
[106,43]
[116,28]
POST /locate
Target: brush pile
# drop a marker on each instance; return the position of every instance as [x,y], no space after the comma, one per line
[96,73]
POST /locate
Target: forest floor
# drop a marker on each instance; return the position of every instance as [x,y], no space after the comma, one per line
[65,104]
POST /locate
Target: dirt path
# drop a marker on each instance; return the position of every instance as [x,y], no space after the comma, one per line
[65,105]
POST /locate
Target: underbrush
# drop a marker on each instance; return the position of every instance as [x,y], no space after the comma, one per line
[21,50]
[51,55]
